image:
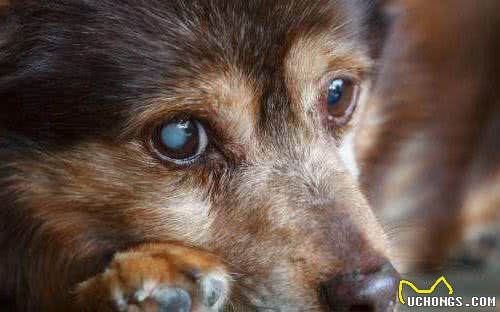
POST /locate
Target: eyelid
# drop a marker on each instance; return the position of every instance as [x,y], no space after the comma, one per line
[332,122]
[350,109]
[152,142]
[338,74]
[153,115]
[324,83]
[202,146]
[217,138]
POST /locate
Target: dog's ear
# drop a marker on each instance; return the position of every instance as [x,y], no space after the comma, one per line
[381,14]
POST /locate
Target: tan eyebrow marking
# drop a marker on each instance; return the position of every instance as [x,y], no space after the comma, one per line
[226,97]
[237,103]
[313,59]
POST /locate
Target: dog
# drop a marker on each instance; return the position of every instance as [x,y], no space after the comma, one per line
[171,155]
[428,144]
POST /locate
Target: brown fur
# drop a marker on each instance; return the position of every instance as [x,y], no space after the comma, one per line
[426,144]
[86,202]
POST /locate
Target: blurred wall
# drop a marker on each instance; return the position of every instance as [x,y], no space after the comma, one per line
[429,143]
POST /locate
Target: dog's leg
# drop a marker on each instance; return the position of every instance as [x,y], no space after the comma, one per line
[158,277]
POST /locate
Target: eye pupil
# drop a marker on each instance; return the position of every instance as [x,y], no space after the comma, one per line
[340,101]
[335,91]
[176,135]
[181,140]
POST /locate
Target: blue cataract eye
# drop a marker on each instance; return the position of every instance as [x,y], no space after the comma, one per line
[335,90]
[181,140]
[177,134]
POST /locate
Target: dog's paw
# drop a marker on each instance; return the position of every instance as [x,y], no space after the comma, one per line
[158,277]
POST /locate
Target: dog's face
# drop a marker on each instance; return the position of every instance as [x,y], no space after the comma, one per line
[218,124]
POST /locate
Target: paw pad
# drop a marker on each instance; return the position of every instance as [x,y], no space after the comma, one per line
[172,300]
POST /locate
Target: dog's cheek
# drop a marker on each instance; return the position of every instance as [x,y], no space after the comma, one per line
[169,203]
[347,154]
[116,192]
[180,214]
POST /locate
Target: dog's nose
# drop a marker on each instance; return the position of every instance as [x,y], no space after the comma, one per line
[374,292]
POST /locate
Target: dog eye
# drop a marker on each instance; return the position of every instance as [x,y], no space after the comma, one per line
[181,140]
[341,100]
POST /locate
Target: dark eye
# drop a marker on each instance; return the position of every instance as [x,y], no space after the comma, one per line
[341,100]
[180,140]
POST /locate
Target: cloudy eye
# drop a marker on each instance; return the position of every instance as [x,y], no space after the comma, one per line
[180,140]
[341,100]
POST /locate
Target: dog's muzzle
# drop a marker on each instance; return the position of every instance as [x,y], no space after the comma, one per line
[371,292]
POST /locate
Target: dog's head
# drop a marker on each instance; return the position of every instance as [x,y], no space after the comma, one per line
[218,124]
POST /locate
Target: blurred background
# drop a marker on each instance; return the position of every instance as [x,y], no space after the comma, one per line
[429,144]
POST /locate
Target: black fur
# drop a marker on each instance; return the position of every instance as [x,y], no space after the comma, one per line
[72,71]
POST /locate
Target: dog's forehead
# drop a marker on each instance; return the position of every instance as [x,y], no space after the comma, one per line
[140,57]
[247,60]
[256,35]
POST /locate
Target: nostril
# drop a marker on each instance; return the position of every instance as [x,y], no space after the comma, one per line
[356,292]
[361,308]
